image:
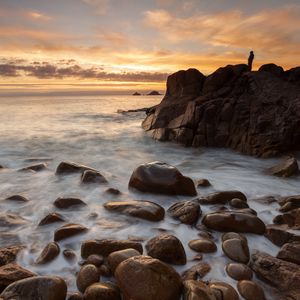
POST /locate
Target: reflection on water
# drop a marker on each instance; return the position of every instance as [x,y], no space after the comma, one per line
[88,130]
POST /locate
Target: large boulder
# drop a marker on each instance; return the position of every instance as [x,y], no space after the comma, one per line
[39,287]
[286,168]
[147,278]
[256,113]
[161,178]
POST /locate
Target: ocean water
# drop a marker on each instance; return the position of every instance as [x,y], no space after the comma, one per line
[88,130]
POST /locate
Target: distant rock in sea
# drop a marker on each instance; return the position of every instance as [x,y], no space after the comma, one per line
[136,94]
[256,113]
[154,93]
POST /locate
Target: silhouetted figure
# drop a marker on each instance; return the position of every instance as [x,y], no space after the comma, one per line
[250,60]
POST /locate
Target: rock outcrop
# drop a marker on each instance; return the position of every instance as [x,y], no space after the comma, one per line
[256,113]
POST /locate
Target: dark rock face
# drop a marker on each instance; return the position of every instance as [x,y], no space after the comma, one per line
[68,230]
[147,278]
[161,178]
[141,209]
[256,113]
[39,287]
[232,221]
[186,212]
[287,168]
[167,248]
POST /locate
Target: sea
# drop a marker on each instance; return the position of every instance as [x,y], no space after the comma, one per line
[91,130]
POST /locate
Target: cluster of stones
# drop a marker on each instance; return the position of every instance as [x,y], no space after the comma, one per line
[117,269]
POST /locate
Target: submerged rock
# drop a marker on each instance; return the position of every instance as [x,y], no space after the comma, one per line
[186,212]
[51,218]
[50,252]
[39,287]
[71,167]
[68,230]
[11,220]
[141,209]
[64,203]
[287,168]
[161,178]
[17,198]
[91,176]
[35,168]
[147,278]
[222,197]
[167,248]
[9,254]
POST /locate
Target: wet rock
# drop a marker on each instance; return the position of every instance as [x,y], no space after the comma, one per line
[113,191]
[69,255]
[68,230]
[289,203]
[64,203]
[250,290]
[196,272]
[106,246]
[283,275]
[222,197]
[9,254]
[35,168]
[103,291]
[265,200]
[147,278]
[71,167]
[96,260]
[203,245]
[238,203]
[290,252]
[12,272]
[197,290]
[161,178]
[232,221]
[224,291]
[287,168]
[233,235]
[50,252]
[17,198]
[140,209]
[246,211]
[115,258]
[187,212]
[279,236]
[239,271]
[87,275]
[237,250]
[287,218]
[39,287]
[11,220]
[75,296]
[203,183]
[90,176]
[167,248]
[51,218]
[105,271]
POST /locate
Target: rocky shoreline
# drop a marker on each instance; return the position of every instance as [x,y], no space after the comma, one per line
[136,269]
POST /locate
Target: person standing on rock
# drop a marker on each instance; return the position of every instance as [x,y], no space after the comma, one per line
[250,60]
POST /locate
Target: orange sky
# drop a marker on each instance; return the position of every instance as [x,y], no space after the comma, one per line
[132,45]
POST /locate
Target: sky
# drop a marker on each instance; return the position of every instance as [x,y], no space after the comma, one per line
[129,45]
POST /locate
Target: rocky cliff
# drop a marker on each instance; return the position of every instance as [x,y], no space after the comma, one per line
[256,113]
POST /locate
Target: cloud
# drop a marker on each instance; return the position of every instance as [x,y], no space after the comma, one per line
[272,31]
[101,6]
[36,15]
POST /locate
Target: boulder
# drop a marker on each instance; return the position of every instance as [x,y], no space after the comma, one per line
[91,176]
[103,291]
[38,287]
[279,236]
[224,291]
[290,252]
[187,212]
[196,272]
[287,168]
[167,248]
[115,258]
[232,221]
[250,290]
[65,168]
[64,203]
[222,197]
[161,178]
[203,245]
[197,290]
[147,278]
[17,198]
[68,230]
[237,250]
[272,68]
[141,209]
[106,246]
[35,168]
[9,254]
[87,275]
[49,253]
[239,271]
[69,255]
[51,218]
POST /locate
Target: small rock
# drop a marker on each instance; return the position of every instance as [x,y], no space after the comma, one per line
[224,291]
[222,197]
[203,183]
[203,245]
[35,168]
[238,203]
[96,260]
[87,275]
[113,191]
[64,203]
[90,176]
[250,290]
[50,252]
[105,271]
[290,252]
[75,296]
[71,167]
[106,246]
[167,248]
[38,287]
[196,272]
[17,198]
[237,250]
[287,168]
[147,278]
[103,291]
[69,255]
[197,290]
[115,258]
[239,271]
[51,218]
[9,254]
[141,209]
[161,178]
[68,230]
[187,212]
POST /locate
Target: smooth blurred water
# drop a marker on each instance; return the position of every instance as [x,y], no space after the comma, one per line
[89,130]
